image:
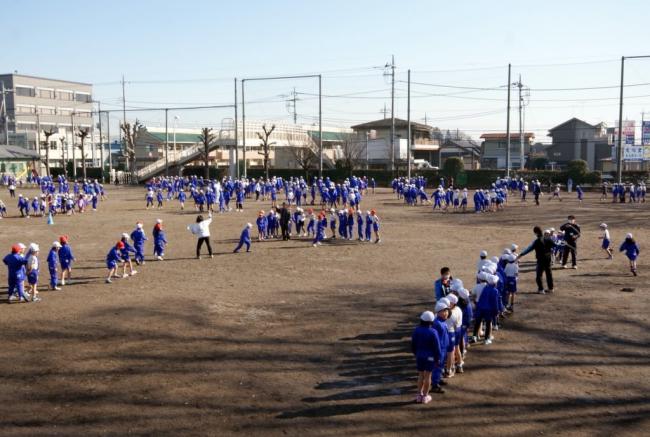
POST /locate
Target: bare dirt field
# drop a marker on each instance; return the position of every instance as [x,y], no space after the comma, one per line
[296,340]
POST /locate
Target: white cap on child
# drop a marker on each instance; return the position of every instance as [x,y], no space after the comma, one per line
[445,301]
[493,279]
[463,294]
[427,316]
[125,235]
[514,247]
[56,244]
[452,298]
[603,225]
[629,235]
[483,254]
[33,247]
[441,306]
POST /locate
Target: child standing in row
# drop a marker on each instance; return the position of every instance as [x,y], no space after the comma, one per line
[425,345]
[52,264]
[32,271]
[65,258]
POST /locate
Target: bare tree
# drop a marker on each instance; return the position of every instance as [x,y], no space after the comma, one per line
[48,133]
[130,134]
[351,149]
[83,134]
[266,146]
[208,139]
[304,156]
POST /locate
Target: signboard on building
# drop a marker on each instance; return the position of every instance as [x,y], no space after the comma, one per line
[645,133]
[633,153]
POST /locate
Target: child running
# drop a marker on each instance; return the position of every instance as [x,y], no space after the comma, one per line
[112,259]
[606,241]
[631,250]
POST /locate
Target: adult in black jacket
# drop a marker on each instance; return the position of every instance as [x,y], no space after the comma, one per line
[571,234]
[285,217]
[543,247]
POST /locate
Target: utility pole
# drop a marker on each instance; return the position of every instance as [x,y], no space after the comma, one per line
[101,141]
[236,134]
[508,127]
[38,137]
[521,125]
[125,146]
[320,124]
[392,114]
[110,151]
[408,122]
[74,159]
[292,104]
[5,119]
[243,124]
[384,111]
[619,150]
[166,142]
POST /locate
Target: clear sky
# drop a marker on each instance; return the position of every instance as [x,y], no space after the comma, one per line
[188,52]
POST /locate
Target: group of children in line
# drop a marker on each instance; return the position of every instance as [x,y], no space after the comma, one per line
[216,195]
[342,224]
[23,266]
[462,317]
[624,193]
[56,198]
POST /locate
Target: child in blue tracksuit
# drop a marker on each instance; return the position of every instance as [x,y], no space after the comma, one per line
[159,240]
[440,326]
[261,225]
[112,259]
[15,263]
[159,198]
[149,198]
[425,345]
[320,229]
[32,271]
[350,223]
[52,264]
[333,222]
[182,197]
[468,315]
[487,308]
[360,225]
[580,193]
[65,258]
[245,238]
[125,256]
[631,250]
[368,226]
[138,238]
[311,224]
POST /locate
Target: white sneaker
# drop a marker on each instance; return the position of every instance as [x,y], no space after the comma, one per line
[12,298]
[160,258]
[134,272]
[488,342]
[125,275]
[108,281]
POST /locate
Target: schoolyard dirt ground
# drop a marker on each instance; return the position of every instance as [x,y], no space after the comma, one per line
[296,340]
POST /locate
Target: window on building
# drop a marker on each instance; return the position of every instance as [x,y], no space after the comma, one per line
[82,113]
[65,95]
[25,109]
[53,145]
[82,97]
[25,91]
[501,145]
[64,111]
[47,110]
[45,93]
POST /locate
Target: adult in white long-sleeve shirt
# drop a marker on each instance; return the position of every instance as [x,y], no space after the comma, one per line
[202,231]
